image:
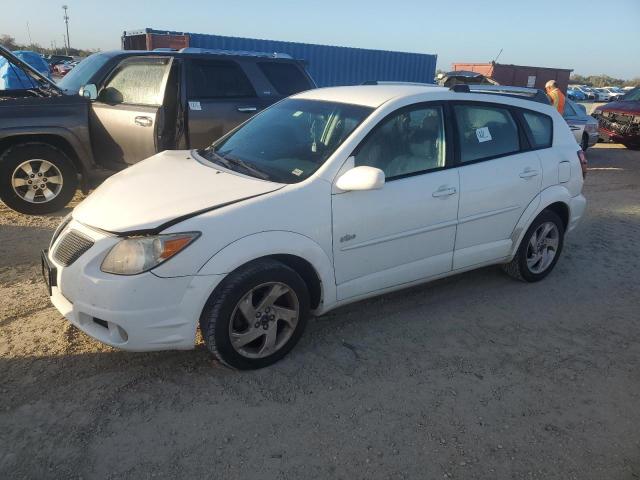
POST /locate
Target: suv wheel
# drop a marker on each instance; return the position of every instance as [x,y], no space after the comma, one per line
[539,250]
[256,315]
[36,178]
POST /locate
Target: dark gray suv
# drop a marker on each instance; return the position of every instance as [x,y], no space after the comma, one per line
[117,108]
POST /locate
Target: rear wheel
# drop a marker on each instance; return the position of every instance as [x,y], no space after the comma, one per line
[256,315]
[36,178]
[585,142]
[539,250]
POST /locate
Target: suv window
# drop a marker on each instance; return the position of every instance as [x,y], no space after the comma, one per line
[407,142]
[485,132]
[541,127]
[218,79]
[136,81]
[285,77]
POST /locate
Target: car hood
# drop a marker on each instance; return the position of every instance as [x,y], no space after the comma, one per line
[163,190]
[628,106]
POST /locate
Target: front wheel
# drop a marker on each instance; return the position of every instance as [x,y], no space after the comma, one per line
[36,178]
[539,250]
[256,315]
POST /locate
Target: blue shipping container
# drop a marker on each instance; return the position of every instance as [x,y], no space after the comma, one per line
[328,65]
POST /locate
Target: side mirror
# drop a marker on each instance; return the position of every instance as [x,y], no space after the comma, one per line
[361,178]
[89,91]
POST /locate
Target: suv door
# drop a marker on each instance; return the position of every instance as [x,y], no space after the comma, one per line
[220,97]
[406,230]
[498,180]
[126,120]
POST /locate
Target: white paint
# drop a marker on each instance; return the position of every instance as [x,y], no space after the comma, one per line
[360,242]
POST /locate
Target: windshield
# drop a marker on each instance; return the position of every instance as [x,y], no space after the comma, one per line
[289,141]
[82,73]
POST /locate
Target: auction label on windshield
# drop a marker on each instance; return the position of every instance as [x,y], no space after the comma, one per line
[194,105]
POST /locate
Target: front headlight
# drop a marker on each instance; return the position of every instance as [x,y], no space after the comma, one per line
[135,255]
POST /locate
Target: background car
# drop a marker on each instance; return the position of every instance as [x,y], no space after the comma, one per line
[615,93]
[584,127]
[619,121]
[575,95]
[587,91]
[12,78]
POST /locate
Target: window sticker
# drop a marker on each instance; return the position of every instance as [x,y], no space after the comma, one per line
[297,114]
[483,134]
[194,105]
[297,172]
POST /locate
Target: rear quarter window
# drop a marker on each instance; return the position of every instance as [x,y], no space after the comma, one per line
[286,78]
[541,127]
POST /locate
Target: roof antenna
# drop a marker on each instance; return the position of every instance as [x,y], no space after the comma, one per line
[497,56]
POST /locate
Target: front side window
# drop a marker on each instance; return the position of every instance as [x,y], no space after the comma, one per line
[218,79]
[405,143]
[136,82]
[485,132]
[289,141]
[541,127]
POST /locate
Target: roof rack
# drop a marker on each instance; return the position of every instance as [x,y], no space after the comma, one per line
[385,82]
[242,53]
[524,93]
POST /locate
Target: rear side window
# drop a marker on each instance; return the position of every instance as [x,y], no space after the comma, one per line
[541,127]
[485,132]
[287,78]
[218,79]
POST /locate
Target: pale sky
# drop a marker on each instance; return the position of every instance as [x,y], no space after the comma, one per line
[591,38]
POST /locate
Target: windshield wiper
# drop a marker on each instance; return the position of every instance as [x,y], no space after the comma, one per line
[230,162]
[248,167]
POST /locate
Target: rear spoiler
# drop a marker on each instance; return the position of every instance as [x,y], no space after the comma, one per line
[29,69]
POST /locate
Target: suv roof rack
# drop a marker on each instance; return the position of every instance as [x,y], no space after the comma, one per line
[392,82]
[242,53]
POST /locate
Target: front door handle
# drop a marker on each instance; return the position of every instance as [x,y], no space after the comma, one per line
[143,121]
[574,128]
[444,192]
[528,173]
[247,109]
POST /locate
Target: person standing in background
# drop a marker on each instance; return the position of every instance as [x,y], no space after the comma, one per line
[555,96]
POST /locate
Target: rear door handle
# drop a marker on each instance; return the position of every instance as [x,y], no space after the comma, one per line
[528,173]
[574,128]
[444,192]
[247,109]
[143,121]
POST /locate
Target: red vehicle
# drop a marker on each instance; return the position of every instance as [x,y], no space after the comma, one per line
[619,121]
[61,69]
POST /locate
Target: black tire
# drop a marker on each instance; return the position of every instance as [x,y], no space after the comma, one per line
[15,156]
[518,267]
[217,313]
[585,142]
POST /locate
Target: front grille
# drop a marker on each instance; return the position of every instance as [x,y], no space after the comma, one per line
[71,246]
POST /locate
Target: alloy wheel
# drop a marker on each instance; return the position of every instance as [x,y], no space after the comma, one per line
[542,247]
[37,181]
[264,320]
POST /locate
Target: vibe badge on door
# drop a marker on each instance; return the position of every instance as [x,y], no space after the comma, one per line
[483,134]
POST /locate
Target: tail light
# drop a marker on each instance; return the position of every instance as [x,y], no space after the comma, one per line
[583,162]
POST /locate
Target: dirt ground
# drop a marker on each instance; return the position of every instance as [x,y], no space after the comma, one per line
[476,376]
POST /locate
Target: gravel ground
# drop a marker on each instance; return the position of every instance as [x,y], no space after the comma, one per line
[476,376]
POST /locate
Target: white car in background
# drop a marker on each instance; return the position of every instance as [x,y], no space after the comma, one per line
[328,197]
[613,93]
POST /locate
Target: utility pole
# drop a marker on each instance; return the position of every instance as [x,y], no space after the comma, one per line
[66,21]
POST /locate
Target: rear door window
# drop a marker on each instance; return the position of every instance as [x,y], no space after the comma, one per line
[218,79]
[485,131]
[541,127]
[287,78]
